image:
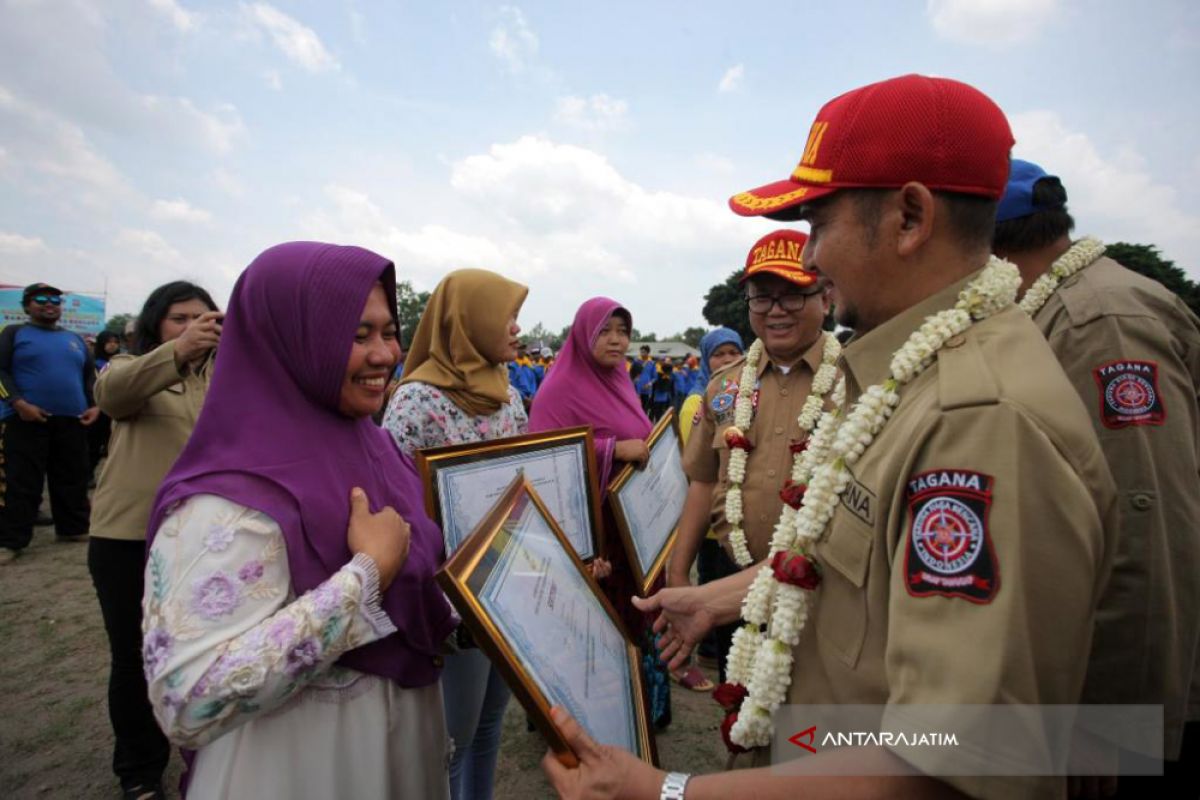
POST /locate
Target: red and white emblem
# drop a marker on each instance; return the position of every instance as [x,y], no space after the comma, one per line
[949,552]
[1129,394]
[948,535]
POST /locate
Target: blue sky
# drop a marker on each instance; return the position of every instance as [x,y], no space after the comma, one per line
[581,148]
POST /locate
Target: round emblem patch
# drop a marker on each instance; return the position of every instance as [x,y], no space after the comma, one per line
[1130,394]
[947,535]
[722,402]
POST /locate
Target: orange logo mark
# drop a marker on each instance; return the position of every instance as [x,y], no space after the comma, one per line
[814,143]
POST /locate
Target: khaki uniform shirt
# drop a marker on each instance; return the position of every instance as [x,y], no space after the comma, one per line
[780,397]
[991,448]
[154,410]
[1131,348]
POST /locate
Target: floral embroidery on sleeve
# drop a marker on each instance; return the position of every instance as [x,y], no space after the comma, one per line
[223,636]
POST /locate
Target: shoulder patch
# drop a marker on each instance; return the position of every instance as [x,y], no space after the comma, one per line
[949,550]
[1129,394]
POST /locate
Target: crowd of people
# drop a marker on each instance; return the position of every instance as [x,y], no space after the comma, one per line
[989,495]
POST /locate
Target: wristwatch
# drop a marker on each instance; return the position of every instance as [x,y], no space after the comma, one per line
[673,786]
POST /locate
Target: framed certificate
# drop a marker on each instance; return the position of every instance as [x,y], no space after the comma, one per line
[648,502]
[534,608]
[463,482]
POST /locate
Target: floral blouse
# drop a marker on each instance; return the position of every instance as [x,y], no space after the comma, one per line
[420,415]
[224,636]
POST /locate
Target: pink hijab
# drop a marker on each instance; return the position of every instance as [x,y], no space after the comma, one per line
[578,391]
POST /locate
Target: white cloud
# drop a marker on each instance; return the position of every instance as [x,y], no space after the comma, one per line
[178,210]
[731,81]
[217,130]
[1111,195]
[16,244]
[992,23]
[512,40]
[712,162]
[183,20]
[228,183]
[596,113]
[298,42]
[52,145]
[426,252]
[149,244]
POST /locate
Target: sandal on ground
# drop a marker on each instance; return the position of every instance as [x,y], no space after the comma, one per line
[692,678]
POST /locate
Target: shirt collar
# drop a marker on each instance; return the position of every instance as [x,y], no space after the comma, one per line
[867,359]
[812,357]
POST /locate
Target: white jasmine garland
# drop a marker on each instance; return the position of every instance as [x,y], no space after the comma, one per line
[1081,254]
[743,415]
[836,443]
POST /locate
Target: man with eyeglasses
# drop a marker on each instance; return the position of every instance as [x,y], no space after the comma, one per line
[787,305]
[46,377]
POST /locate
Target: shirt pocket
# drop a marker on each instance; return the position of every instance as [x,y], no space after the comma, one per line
[842,605]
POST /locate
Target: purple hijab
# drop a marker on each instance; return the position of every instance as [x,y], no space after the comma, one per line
[270,437]
[578,391]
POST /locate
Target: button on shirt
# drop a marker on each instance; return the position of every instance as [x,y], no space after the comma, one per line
[1148,626]
[990,447]
[780,399]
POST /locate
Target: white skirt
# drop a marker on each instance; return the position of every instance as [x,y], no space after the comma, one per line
[372,739]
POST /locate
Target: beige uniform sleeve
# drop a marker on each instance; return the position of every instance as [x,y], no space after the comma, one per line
[1148,624]
[124,387]
[700,463]
[1014,625]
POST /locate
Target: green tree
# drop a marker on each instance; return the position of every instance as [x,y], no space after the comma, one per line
[1145,259]
[410,304]
[117,322]
[539,333]
[725,305]
[637,336]
[691,336]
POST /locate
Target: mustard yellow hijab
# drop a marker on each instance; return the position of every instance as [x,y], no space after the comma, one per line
[465,321]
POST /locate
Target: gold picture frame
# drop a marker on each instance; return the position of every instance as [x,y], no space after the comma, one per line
[461,472]
[649,549]
[517,538]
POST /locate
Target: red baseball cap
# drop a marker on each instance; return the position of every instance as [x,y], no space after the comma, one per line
[778,253]
[939,132]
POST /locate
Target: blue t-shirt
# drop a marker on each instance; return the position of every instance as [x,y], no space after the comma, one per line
[48,369]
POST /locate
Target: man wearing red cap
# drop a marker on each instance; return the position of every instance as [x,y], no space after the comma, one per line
[1131,348]
[953,531]
[787,306]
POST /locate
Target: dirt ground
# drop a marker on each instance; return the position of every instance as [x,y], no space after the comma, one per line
[55,739]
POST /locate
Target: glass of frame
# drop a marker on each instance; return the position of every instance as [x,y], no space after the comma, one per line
[463,482]
[648,502]
[532,605]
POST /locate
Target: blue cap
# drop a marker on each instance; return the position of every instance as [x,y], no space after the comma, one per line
[1017,201]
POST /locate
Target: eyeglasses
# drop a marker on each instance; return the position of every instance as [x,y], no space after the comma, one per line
[788,301]
[44,299]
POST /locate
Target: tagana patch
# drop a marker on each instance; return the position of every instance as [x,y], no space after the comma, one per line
[1129,394]
[949,550]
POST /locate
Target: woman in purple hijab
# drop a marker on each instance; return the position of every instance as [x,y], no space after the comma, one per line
[590,386]
[292,624]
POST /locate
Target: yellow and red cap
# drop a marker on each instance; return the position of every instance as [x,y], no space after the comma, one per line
[779,253]
[939,132]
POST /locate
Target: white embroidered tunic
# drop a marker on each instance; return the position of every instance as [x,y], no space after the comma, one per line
[243,671]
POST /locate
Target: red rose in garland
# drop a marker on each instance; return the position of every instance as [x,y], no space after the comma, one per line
[734,438]
[796,569]
[726,726]
[793,494]
[730,696]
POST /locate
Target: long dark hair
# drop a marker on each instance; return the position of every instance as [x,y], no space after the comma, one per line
[103,338]
[155,310]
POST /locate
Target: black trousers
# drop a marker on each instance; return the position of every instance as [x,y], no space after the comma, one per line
[34,451]
[141,751]
[713,563]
